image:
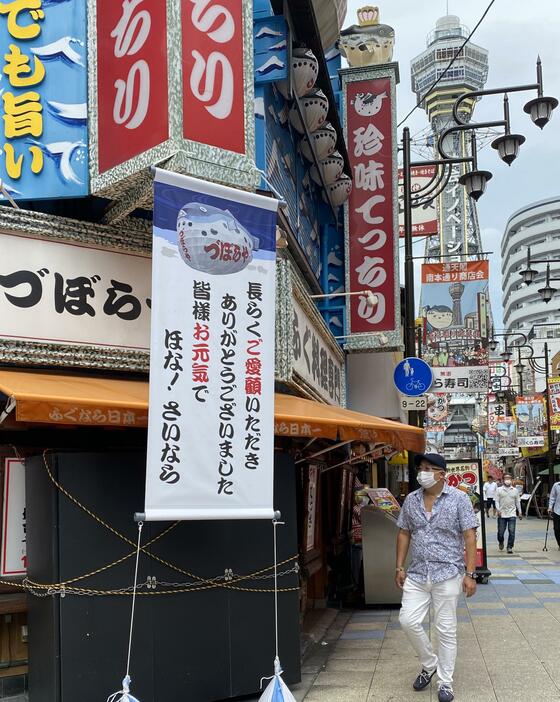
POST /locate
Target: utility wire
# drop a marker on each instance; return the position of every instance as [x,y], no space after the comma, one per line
[457,54]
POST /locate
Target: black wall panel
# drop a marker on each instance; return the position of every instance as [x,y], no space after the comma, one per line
[202,646]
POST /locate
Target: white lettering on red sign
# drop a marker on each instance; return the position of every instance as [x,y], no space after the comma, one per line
[132,96]
[372,241]
[203,80]
[213,94]
[131,78]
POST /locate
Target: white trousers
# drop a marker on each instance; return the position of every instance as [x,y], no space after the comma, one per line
[416,601]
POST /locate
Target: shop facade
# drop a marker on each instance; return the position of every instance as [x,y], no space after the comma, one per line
[75,304]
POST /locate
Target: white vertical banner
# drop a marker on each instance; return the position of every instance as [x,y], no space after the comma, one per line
[211,422]
[14,541]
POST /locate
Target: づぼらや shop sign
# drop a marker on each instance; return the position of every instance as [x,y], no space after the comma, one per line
[371,211]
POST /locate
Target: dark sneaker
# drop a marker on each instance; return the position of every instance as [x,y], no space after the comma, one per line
[445,693]
[510,550]
[423,680]
[501,547]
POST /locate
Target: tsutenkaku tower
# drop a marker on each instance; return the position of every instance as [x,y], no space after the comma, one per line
[459,231]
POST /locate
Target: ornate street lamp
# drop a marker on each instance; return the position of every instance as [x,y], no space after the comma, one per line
[528,274]
[540,109]
[547,292]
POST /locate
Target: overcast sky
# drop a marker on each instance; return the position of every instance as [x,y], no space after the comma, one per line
[514,32]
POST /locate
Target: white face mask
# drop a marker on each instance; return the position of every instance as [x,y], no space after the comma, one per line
[507,482]
[426,479]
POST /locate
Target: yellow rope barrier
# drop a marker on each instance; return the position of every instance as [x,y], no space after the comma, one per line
[203,583]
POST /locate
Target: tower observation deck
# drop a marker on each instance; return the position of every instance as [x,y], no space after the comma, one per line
[459,231]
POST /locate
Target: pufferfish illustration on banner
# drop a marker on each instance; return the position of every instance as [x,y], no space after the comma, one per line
[213,241]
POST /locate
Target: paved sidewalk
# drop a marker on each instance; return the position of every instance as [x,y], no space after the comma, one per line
[509,638]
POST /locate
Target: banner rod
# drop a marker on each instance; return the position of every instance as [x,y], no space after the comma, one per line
[456,255]
[139,516]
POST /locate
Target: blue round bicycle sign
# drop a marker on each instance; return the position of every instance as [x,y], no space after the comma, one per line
[413,377]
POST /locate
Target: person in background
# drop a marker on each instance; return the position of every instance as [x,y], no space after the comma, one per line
[554,509]
[438,524]
[489,491]
[508,505]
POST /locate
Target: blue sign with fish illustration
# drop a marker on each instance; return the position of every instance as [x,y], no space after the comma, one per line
[43,140]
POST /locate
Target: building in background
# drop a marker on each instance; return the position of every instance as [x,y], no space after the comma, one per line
[537,226]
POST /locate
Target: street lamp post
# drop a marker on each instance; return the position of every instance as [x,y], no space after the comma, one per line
[545,369]
[529,274]
[540,109]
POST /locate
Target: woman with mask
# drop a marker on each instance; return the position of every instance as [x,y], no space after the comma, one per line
[438,524]
[508,505]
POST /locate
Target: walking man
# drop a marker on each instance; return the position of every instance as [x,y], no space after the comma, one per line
[438,524]
[489,491]
[554,510]
[508,505]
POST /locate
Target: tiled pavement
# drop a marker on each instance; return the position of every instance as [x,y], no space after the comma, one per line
[509,638]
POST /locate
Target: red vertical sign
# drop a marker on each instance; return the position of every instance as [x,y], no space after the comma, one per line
[132,94]
[213,92]
[372,261]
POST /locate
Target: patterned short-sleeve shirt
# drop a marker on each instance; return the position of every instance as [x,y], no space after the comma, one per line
[437,544]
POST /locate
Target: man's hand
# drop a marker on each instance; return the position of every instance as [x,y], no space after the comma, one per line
[499,514]
[400,577]
[520,515]
[469,586]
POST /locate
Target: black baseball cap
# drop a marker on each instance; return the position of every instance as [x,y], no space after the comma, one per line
[434,458]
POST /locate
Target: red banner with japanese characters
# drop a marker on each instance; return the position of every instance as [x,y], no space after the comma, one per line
[213,92]
[372,264]
[132,79]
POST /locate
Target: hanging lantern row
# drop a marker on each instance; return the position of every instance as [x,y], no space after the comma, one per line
[315,108]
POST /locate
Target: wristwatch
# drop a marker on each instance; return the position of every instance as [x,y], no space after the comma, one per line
[471,575]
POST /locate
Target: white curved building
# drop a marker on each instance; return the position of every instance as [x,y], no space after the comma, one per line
[537,225]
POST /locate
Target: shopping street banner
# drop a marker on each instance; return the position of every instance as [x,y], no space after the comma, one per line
[553,385]
[507,436]
[435,441]
[530,413]
[491,468]
[495,410]
[465,476]
[454,310]
[437,414]
[211,421]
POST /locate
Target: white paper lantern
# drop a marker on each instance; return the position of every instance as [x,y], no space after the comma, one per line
[340,190]
[212,240]
[332,168]
[324,140]
[315,107]
[305,69]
